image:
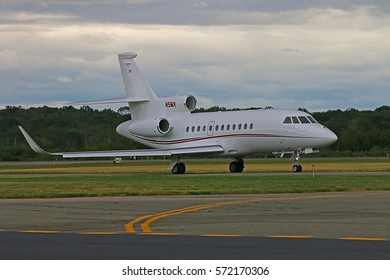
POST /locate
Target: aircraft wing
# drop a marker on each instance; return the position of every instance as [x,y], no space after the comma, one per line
[124,153]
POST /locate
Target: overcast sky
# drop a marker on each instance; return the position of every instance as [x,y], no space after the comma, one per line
[316,54]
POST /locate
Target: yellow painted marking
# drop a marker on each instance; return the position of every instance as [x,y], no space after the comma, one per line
[98,232]
[146,225]
[129,227]
[363,238]
[291,236]
[39,231]
[221,235]
[148,219]
[161,233]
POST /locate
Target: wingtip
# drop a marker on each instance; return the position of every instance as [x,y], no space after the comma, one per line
[33,145]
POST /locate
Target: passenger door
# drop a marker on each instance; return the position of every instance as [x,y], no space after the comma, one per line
[210,128]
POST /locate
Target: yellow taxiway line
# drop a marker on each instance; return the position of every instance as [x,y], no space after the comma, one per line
[146,221]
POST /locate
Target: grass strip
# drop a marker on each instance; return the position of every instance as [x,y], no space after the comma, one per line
[188,184]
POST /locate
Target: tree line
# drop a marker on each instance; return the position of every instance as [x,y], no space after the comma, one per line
[70,129]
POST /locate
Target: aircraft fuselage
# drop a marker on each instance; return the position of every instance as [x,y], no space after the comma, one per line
[240,133]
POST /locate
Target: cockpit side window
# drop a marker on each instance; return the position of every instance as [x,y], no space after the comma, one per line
[303,119]
[313,120]
[287,120]
[295,119]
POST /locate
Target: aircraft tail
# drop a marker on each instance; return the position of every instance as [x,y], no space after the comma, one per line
[139,95]
[136,87]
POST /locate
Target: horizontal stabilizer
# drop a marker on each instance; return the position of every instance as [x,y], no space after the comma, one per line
[109,101]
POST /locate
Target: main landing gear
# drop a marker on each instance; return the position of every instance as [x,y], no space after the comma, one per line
[176,166]
[295,159]
[237,166]
[179,168]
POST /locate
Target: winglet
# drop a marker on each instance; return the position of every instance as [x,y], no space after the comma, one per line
[32,143]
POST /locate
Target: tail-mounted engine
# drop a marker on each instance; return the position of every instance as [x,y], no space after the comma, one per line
[159,126]
[150,127]
[182,103]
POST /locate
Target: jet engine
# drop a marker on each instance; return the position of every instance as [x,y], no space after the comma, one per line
[182,103]
[150,127]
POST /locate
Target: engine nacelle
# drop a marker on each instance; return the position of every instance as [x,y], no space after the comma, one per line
[150,127]
[183,103]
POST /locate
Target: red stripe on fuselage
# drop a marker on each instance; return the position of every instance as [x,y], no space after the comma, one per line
[181,141]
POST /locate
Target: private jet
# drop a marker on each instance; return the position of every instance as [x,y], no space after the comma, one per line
[169,127]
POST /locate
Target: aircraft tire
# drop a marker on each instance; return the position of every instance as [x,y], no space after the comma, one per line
[233,167]
[179,168]
[236,167]
[176,169]
[297,168]
[182,167]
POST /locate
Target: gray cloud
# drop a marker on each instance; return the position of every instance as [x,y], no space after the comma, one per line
[238,53]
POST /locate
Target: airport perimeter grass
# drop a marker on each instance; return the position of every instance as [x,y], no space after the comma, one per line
[196,166]
[164,184]
[152,178]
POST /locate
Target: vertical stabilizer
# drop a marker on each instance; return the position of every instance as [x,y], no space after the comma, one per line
[137,88]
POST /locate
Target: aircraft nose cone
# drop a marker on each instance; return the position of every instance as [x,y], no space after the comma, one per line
[335,138]
[331,137]
[326,137]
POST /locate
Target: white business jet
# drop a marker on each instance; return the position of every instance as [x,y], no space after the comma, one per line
[168,126]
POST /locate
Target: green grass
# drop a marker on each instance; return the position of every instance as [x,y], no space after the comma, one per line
[152,177]
[194,166]
[44,186]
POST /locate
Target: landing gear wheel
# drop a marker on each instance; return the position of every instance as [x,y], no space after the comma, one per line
[236,166]
[183,168]
[297,168]
[179,168]
[233,167]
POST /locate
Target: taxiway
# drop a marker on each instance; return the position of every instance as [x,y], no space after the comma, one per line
[288,226]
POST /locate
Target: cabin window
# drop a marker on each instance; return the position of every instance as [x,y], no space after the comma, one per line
[245,126]
[303,119]
[234,127]
[295,119]
[187,129]
[193,128]
[216,128]
[239,127]
[228,127]
[313,120]
[204,128]
[222,127]
[251,126]
[287,120]
[198,129]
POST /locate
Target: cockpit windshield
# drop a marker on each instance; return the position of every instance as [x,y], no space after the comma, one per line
[303,119]
[299,120]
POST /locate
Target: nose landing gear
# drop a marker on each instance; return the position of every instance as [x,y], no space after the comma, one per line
[295,159]
[297,168]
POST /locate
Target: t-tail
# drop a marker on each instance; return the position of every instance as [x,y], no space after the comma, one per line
[136,87]
[146,109]
[140,95]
